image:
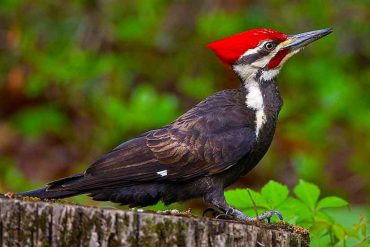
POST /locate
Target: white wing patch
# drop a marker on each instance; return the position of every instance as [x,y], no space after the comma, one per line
[162,173]
[254,100]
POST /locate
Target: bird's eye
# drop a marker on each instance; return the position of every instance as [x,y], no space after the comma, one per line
[269,46]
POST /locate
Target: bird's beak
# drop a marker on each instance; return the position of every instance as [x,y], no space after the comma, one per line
[298,41]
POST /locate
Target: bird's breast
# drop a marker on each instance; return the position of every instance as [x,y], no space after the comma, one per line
[265,102]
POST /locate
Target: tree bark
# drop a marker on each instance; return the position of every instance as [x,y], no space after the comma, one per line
[33,223]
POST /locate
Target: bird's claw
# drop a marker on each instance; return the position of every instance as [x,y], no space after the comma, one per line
[230,211]
[235,214]
[268,215]
[222,216]
[214,212]
[227,215]
[219,214]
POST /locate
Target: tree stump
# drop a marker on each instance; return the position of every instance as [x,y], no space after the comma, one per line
[36,223]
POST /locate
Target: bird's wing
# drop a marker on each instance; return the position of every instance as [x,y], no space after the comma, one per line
[208,139]
[201,145]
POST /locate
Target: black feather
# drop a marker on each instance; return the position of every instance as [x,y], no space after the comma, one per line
[201,152]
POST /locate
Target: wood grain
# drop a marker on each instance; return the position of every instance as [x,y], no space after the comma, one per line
[27,223]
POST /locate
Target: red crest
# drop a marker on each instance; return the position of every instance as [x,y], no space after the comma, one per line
[229,49]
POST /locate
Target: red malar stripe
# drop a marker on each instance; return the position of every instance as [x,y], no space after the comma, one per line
[276,60]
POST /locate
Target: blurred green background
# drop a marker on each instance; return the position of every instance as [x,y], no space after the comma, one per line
[79,77]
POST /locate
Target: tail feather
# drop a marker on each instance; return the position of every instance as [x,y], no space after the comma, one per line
[44,193]
[56,189]
[65,181]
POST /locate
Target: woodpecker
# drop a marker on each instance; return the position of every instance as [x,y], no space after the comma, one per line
[206,149]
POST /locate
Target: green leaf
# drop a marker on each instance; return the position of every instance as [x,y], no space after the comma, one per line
[295,211]
[323,217]
[318,228]
[308,193]
[258,199]
[352,232]
[238,198]
[331,202]
[275,193]
[339,231]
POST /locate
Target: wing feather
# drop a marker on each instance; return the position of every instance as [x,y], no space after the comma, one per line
[208,139]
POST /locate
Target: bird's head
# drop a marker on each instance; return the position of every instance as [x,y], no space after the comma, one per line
[259,54]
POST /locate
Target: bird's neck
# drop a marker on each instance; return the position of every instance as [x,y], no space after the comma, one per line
[254,82]
[249,73]
[261,95]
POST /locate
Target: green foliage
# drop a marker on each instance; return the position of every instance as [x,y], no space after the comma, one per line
[8,175]
[304,208]
[36,121]
[155,110]
[274,193]
[308,193]
[331,202]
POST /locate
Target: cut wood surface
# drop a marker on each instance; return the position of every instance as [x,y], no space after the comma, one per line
[33,223]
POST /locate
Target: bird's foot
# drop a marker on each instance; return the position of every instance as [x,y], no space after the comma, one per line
[235,214]
[268,214]
[238,215]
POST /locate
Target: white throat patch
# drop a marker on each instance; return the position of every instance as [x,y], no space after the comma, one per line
[268,75]
[254,100]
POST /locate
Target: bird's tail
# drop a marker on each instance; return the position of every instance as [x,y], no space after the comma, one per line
[56,189]
[45,193]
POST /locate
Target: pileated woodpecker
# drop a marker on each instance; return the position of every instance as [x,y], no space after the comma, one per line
[209,147]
